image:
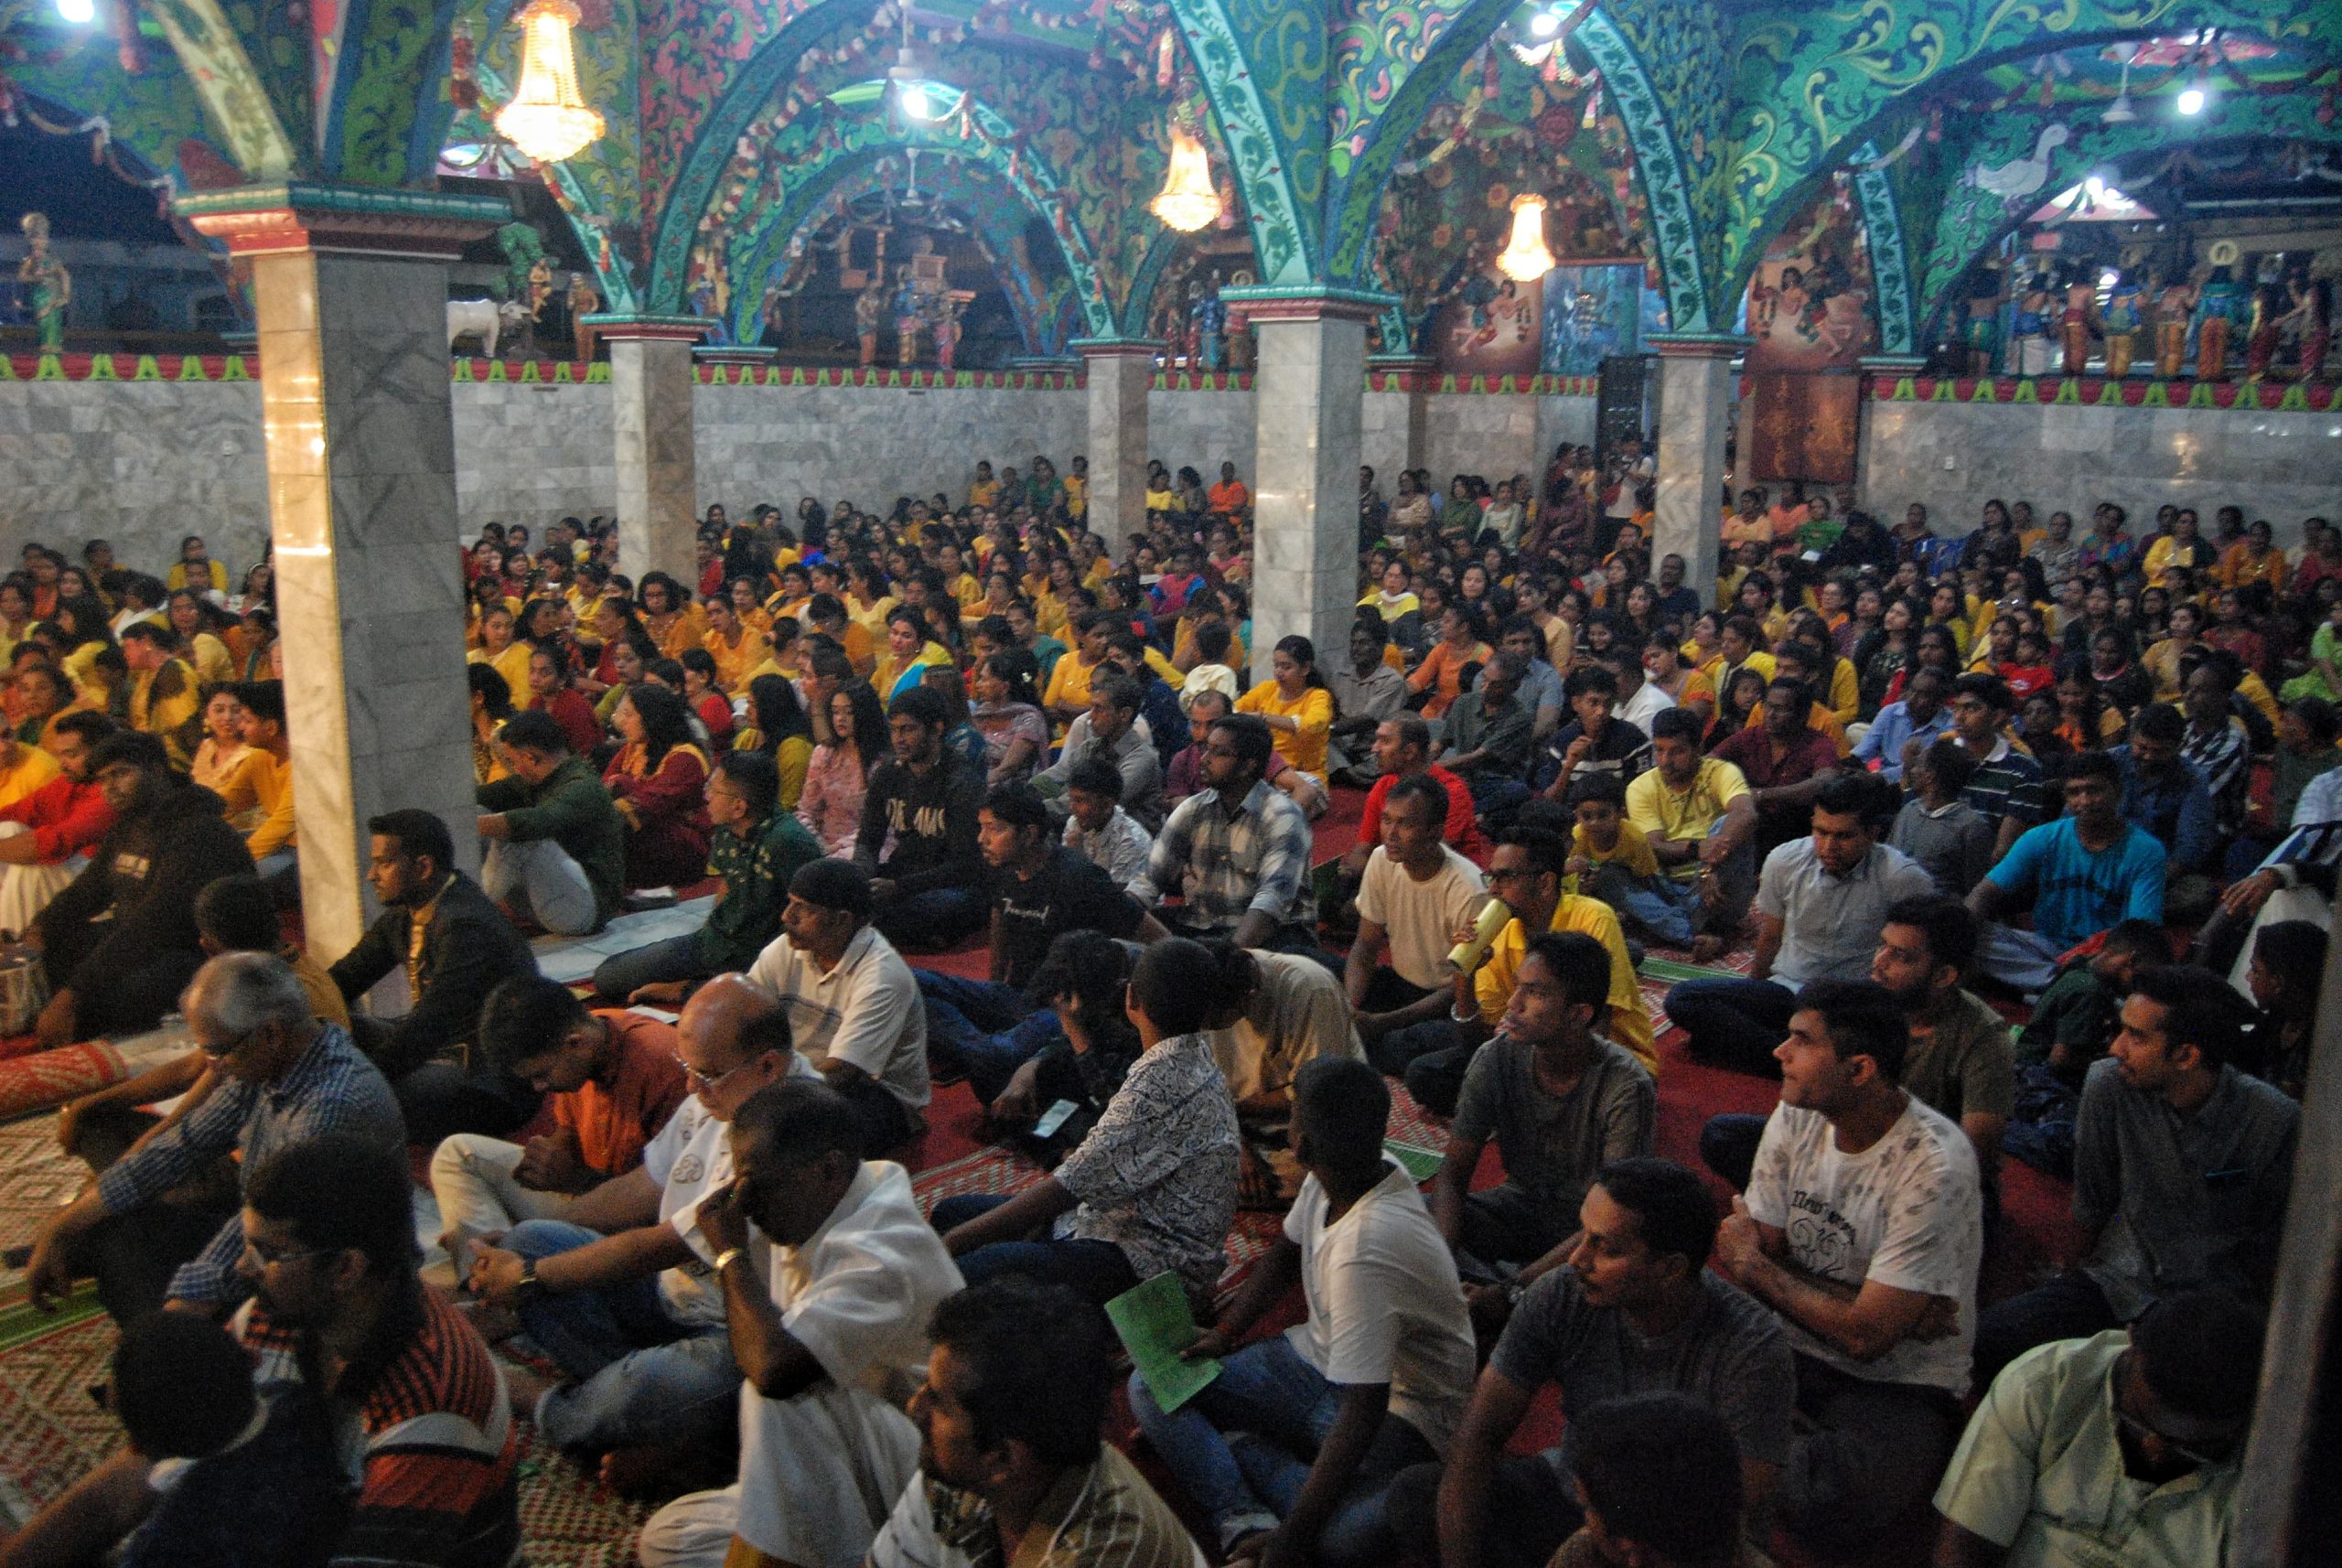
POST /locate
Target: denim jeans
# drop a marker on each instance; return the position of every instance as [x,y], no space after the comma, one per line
[622,975]
[1286,1406]
[2014,956]
[985,1026]
[641,1376]
[1099,1271]
[1733,1023]
[1668,911]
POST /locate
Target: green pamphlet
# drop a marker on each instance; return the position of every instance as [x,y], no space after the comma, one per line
[1422,1163]
[1154,1326]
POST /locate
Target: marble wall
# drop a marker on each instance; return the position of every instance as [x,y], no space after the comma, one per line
[1956,457]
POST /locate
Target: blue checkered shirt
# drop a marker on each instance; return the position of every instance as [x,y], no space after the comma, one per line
[1223,864]
[331,1089]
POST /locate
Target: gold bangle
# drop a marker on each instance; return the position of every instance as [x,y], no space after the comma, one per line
[725,1257]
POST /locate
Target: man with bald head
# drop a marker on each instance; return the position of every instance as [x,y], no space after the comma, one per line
[160,1223]
[616,1292]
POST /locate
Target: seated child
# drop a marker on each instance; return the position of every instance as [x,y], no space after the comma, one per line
[2072,1025]
[1948,837]
[1612,861]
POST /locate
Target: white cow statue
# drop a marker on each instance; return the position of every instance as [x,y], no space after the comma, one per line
[485,319]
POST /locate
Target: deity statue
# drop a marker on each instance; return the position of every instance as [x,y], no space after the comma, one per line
[584,301]
[540,288]
[2175,306]
[950,307]
[2121,321]
[2033,346]
[1983,333]
[869,306]
[48,286]
[2076,326]
[2221,307]
[1186,337]
[2312,319]
[909,320]
[1211,322]
[523,247]
[2271,307]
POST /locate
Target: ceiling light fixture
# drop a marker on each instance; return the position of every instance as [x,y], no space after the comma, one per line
[1188,201]
[1527,256]
[548,118]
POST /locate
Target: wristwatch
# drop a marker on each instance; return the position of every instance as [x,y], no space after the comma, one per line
[530,1286]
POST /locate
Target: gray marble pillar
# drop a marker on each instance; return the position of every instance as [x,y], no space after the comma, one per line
[1120,370]
[1308,393]
[1421,374]
[351,292]
[652,383]
[1695,388]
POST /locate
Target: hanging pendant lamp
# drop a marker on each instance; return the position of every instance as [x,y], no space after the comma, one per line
[1527,256]
[1188,201]
[548,118]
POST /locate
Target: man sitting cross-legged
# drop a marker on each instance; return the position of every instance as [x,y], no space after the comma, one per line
[556,851]
[1561,1099]
[418,1416]
[854,1008]
[614,1292]
[614,1083]
[1699,818]
[2084,871]
[1635,1313]
[1863,1230]
[1820,900]
[1009,1450]
[1373,1381]
[1040,890]
[438,926]
[1416,892]
[828,1274]
[157,1225]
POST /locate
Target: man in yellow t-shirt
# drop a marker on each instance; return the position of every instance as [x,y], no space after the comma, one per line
[1525,872]
[1699,818]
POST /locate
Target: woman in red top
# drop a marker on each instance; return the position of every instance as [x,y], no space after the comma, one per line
[549,688]
[660,781]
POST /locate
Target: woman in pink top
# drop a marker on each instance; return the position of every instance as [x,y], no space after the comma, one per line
[838,771]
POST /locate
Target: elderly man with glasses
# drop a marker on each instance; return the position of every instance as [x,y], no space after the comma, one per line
[618,1292]
[159,1224]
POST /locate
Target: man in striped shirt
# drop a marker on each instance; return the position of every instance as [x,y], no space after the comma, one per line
[2008,789]
[1238,851]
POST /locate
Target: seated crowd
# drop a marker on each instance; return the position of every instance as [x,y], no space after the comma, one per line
[2029,841]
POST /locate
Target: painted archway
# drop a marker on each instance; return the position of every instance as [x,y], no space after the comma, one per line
[855,126]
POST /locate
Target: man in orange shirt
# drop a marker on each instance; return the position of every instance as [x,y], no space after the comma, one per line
[614,1082]
[1229,498]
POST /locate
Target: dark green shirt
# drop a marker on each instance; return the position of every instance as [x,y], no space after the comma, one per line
[573,808]
[756,870]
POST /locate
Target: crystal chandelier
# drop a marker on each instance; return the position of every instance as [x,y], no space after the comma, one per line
[548,118]
[1527,256]
[1188,201]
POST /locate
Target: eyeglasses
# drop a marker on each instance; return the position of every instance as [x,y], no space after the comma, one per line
[270,1255]
[706,1080]
[2139,1428]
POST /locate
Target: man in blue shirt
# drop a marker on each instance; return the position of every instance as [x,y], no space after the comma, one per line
[1919,718]
[2085,872]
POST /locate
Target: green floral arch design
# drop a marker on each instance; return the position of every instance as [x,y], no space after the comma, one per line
[1370,138]
[1812,85]
[1140,302]
[1890,259]
[1972,221]
[1280,170]
[1660,166]
[775,62]
[813,171]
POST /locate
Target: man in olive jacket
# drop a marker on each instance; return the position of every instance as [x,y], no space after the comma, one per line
[556,852]
[454,947]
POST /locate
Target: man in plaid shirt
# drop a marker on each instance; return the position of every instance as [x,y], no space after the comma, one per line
[282,1077]
[1237,852]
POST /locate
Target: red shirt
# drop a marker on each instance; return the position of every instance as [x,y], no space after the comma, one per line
[1751,750]
[66,817]
[574,714]
[1463,832]
[614,1121]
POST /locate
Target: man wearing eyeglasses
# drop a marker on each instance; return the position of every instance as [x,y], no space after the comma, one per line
[288,1079]
[614,1291]
[2121,1447]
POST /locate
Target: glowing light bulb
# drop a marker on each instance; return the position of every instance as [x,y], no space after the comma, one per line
[77,11]
[916,102]
[2191,100]
[1544,24]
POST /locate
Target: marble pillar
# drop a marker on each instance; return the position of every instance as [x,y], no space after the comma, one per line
[1120,370]
[1308,395]
[351,291]
[652,385]
[1695,392]
[1421,374]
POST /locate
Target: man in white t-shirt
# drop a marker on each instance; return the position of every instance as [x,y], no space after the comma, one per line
[827,1299]
[1416,892]
[853,1007]
[1373,1380]
[614,1292]
[1863,1229]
